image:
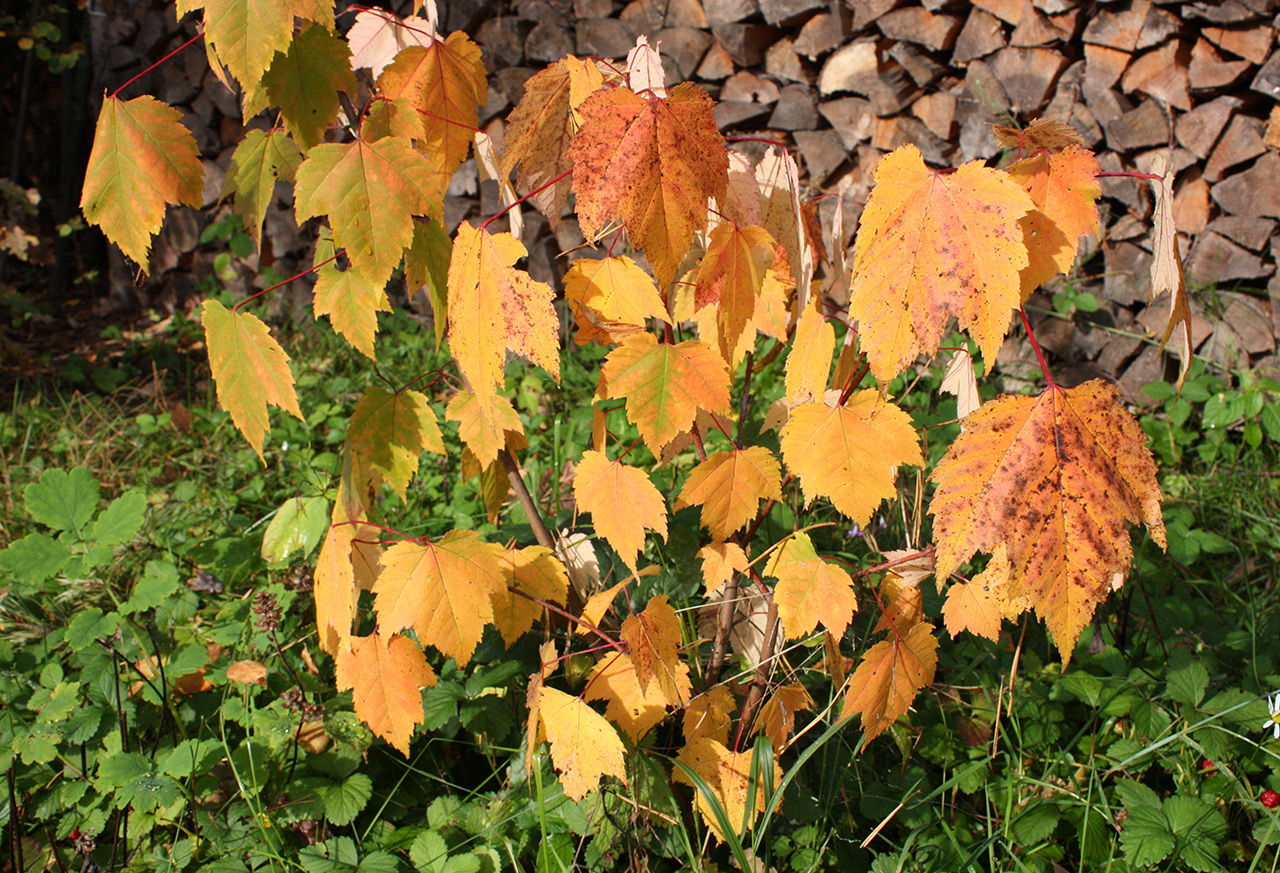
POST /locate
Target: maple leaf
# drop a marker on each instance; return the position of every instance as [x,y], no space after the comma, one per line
[731,276]
[728,775]
[584,747]
[665,385]
[980,604]
[635,708]
[729,485]
[257,164]
[305,81]
[247,33]
[652,162]
[1041,134]
[534,570]
[376,37]
[653,638]
[142,159]
[719,562]
[930,246]
[892,672]
[1166,269]
[420,586]
[598,604]
[384,675]
[778,714]
[615,288]
[622,502]
[351,300]
[387,434]
[708,715]
[850,454]
[440,86]
[370,191]
[1055,477]
[493,483]
[541,127]
[903,604]
[335,588]
[250,370]
[426,266]
[809,361]
[1065,192]
[483,427]
[494,307]
[810,590]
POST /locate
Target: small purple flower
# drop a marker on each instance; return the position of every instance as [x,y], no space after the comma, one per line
[854,531]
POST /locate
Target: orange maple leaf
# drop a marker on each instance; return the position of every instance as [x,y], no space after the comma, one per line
[335,588]
[437,89]
[443,590]
[622,502]
[250,370]
[729,486]
[634,708]
[892,672]
[652,162]
[980,604]
[708,715]
[615,289]
[534,570]
[719,562]
[494,307]
[665,385]
[584,747]
[903,604]
[541,128]
[1056,477]
[1065,192]
[653,638]
[142,159]
[384,675]
[778,714]
[484,427]
[387,434]
[850,454]
[370,191]
[930,246]
[731,275]
[810,589]
[728,776]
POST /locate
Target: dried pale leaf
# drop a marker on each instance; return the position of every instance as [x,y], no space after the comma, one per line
[247,673]
[959,379]
[1166,268]
[487,165]
[644,69]
[778,179]
[1041,134]
[578,555]
[377,36]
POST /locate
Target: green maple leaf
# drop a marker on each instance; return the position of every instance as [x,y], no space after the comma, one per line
[370,191]
[305,81]
[250,370]
[259,160]
[387,434]
[142,160]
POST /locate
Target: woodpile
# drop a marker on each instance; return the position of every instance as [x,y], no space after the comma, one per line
[841,84]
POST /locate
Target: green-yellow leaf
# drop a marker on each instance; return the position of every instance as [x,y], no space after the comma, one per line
[304,82]
[142,160]
[352,301]
[370,191]
[258,162]
[426,266]
[388,432]
[250,370]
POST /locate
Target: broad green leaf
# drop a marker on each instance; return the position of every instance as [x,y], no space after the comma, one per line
[426,266]
[250,370]
[1199,829]
[387,434]
[61,500]
[247,33]
[1145,835]
[120,521]
[257,164]
[142,160]
[33,559]
[159,580]
[304,82]
[297,527]
[57,703]
[344,800]
[430,854]
[1188,682]
[88,625]
[188,757]
[337,855]
[370,191]
[38,745]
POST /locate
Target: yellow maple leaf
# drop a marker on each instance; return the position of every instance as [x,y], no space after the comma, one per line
[622,502]
[719,562]
[980,604]
[534,570]
[385,675]
[809,361]
[443,590]
[850,454]
[257,164]
[729,486]
[653,162]
[708,715]
[584,747]
[352,301]
[728,775]
[614,288]
[665,385]
[250,370]
[633,708]
[484,427]
[653,638]
[933,245]
[810,590]
[730,277]
[892,672]
[387,434]
[494,307]
[335,588]
[1056,477]
[142,159]
[778,714]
